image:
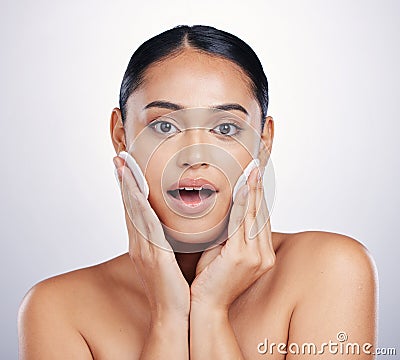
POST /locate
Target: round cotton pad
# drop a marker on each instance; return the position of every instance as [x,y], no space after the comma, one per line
[136,171]
[243,178]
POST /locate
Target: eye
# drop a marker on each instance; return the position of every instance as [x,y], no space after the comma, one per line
[227,129]
[164,127]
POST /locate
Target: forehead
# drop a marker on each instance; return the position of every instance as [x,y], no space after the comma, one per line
[195,79]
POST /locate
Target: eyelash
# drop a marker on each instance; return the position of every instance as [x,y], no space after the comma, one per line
[154,123]
[238,129]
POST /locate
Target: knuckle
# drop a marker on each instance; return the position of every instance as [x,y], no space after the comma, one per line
[269,262]
[253,187]
[252,213]
[237,260]
[255,261]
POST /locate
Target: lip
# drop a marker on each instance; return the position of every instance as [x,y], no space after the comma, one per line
[189,182]
[189,209]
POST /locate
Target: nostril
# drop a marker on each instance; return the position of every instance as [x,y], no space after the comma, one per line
[195,165]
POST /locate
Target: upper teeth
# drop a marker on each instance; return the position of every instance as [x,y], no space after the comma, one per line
[191,188]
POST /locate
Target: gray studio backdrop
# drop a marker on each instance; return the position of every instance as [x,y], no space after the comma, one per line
[333,73]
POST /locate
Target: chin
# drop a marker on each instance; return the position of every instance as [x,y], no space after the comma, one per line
[191,232]
[189,238]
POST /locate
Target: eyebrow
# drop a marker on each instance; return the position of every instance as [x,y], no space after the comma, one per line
[172,106]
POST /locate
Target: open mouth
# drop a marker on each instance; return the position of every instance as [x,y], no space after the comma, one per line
[192,196]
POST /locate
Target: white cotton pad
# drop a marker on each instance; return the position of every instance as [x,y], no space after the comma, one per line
[243,178]
[136,171]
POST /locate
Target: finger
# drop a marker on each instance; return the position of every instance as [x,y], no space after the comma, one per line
[261,209]
[124,168]
[250,223]
[238,211]
[262,212]
[149,226]
[135,248]
[137,244]
[266,250]
[151,246]
[257,226]
[235,243]
[264,236]
[132,197]
[262,229]
[141,214]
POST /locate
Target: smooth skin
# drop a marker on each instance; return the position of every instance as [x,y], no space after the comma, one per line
[220,304]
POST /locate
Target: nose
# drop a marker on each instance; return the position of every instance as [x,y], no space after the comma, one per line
[195,152]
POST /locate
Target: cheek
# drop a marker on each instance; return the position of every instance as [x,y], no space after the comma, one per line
[153,177]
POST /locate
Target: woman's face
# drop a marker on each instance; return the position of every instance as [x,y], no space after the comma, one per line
[193,126]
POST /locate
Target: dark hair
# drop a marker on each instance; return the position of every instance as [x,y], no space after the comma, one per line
[203,38]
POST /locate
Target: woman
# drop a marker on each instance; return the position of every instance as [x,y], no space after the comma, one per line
[203,281]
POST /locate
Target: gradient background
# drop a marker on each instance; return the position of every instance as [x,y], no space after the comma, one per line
[332,68]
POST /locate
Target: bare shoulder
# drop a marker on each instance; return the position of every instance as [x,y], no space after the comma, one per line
[61,289]
[66,293]
[321,250]
[59,299]
[53,310]
[316,262]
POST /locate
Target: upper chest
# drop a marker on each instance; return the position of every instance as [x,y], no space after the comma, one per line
[117,326]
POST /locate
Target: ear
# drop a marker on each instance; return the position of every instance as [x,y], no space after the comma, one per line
[267,137]
[117,130]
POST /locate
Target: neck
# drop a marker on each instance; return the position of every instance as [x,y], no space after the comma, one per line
[188,263]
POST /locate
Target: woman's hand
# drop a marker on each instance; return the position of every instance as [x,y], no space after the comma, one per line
[167,291]
[224,272]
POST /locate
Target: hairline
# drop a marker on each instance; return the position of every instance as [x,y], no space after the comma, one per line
[185,46]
